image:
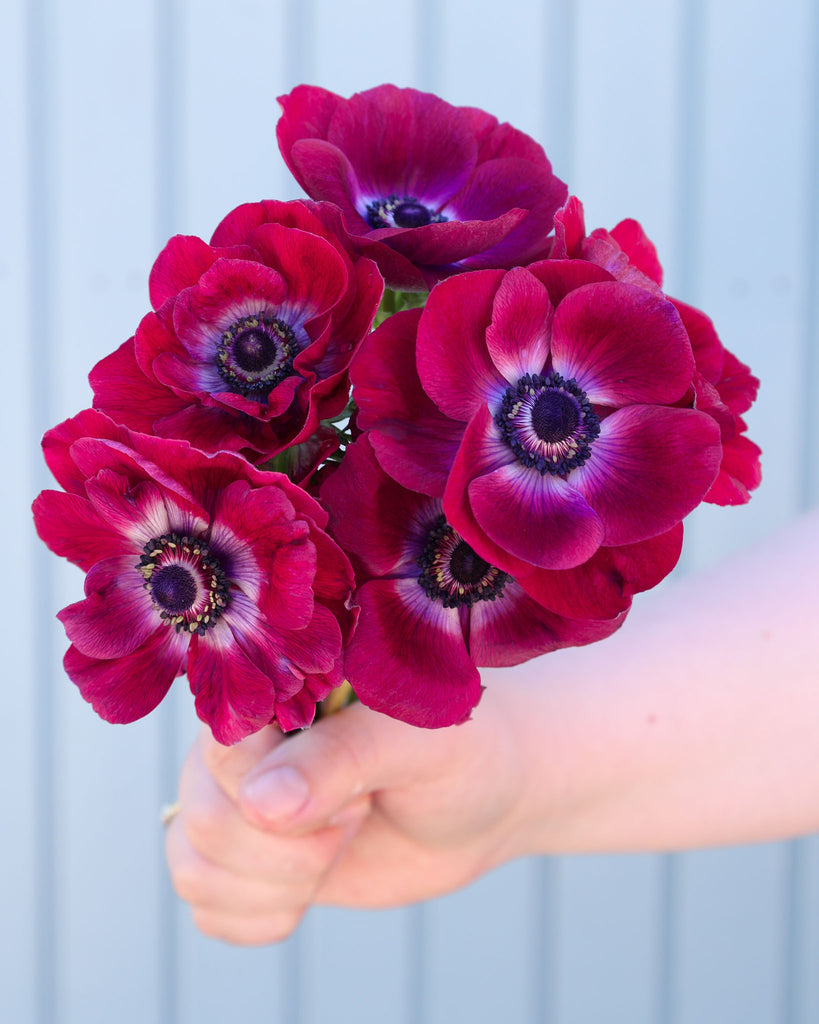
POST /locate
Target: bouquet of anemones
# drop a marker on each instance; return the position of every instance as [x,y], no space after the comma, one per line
[272,495]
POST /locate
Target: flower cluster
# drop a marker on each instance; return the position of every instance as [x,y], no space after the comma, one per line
[272,495]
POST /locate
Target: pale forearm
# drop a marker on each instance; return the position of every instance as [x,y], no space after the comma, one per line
[697,724]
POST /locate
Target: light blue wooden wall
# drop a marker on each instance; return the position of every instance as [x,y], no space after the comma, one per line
[122,124]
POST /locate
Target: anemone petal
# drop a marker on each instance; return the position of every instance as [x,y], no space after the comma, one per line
[517,339]
[454,365]
[125,689]
[536,517]
[515,628]
[234,696]
[649,468]
[604,585]
[117,616]
[622,345]
[71,528]
[394,661]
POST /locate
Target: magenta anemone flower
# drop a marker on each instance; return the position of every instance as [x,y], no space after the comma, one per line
[625,251]
[554,431]
[431,609]
[722,386]
[250,342]
[195,563]
[447,188]
[725,388]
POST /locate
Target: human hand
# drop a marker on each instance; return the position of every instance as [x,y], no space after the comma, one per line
[359,810]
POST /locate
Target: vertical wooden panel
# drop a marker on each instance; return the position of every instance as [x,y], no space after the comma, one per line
[21,934]
[362,43]
[477,958]
[233,65]
[491,57]
[801,1000]
[558,80]
[223,983]
[757,98]
[105,838]
[810,295]
[609,912]
[756,104]
[731,936]
[627,110]
[356,965]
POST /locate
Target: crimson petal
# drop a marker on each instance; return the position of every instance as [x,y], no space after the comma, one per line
[537,518]
[408,658]
[622,345]
[233,695]
[603,586]
[514,628]
[453,241]
[405,141]
[740,473]
[649,468]
[414,441]
[454,365]
[373,517]
[124,689]
[518,336]
[117,616]
[482,451]
[126,394]
[59,451]
[639,248]
[71,528]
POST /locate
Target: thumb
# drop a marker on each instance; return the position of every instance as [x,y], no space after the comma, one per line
[340,761]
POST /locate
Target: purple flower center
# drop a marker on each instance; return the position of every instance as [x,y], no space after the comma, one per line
[255,354]
[548,422]
[400,212]
[173,588]
[187,585]
[454,574]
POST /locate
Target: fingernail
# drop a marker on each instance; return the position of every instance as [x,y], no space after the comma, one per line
[278,793]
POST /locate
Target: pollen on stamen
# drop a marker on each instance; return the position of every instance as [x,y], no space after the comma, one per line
[186,584]
[453,573]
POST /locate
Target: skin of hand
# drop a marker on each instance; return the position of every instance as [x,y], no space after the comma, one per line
[359,810]
[694,725]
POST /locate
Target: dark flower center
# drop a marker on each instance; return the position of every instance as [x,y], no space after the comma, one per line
[173,588]
[187,585]
[255,354]
[400,212]
[454,574]
[554,416]
[548,422]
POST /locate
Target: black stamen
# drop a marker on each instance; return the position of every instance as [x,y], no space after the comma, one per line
[548,422]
